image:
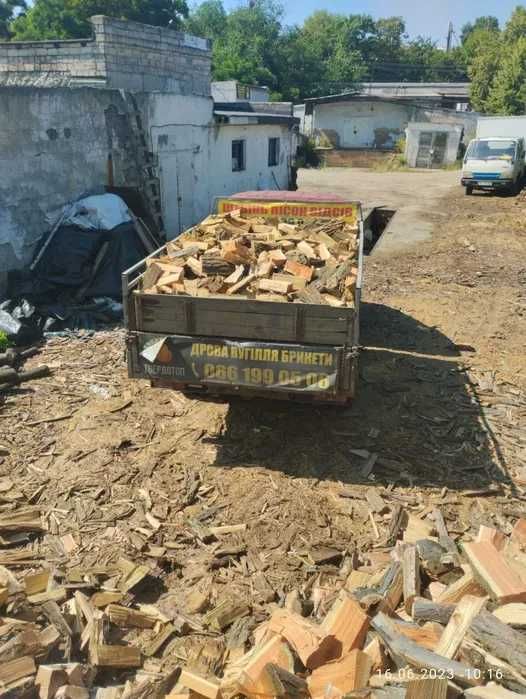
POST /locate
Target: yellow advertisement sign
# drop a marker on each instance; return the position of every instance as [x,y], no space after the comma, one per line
[350,211]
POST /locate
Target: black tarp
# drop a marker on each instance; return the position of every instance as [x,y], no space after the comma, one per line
[69,258]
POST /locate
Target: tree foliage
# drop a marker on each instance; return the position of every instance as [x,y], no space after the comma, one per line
[8,9]
[497,64]
[69,19]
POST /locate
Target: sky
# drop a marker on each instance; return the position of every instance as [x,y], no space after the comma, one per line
[425,17]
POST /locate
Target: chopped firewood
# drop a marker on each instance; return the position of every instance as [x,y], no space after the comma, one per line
[37,582]
[312,296]
[426,610]
[351,672]
[72,692]
[519,532]
[244,675]
[277,682]
[434,559]
[278,287]
[225,613]
[49,678]
[197,601]
[170,278]
[387,593]
[375,651]
[287,228]
[103,655]
[277,258]
[356,579]
[298,283]
[157,642]
[491,691]
[26,519]
[493,536]
[346,622]
[306,639]
[376,502]
[49,637]
[500,640]
[411,653]
[333,301]
[274,298]
[427,688]
[196,266]
[513,614]
[235,252]
[466,585]
[204,687]
[497,577]
[323,252]
[299,270]
[417,529]
[57,594]
[307,250]
[103,598]
[426,636]
[411,576]
[4,595]
[127,618]
[466,610]
[15,670]
[236,275]
[264,269]
[241,284]
[132,574]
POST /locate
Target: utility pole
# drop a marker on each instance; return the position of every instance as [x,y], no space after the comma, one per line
[450,33]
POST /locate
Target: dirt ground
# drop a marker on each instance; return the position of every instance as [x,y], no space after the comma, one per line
[130,470]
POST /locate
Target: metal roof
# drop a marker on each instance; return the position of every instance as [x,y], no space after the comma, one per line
[399,91]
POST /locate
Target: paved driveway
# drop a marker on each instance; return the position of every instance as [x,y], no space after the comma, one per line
[417,197]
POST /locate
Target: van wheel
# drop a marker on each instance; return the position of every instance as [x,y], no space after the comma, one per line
[469,190]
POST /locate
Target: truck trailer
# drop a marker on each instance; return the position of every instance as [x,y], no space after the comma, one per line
[300,346]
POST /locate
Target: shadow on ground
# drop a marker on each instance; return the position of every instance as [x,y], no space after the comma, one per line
[415,408]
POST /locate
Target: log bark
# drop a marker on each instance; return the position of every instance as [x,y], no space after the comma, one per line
[500,640]
[426,610]
[403,651]
[11,377]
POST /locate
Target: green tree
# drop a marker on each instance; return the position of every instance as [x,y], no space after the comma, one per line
[8,9]
[69,19]
[487,23]
[508,94]
[516,25]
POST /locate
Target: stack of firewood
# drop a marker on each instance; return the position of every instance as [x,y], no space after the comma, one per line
[264,258]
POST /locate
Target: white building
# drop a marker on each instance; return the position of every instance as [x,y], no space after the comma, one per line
[234,91]
[128,110]
[376,115]
[209,151]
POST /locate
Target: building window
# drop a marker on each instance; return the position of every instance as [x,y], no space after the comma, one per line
[242,92]
[238,156]
[273,151]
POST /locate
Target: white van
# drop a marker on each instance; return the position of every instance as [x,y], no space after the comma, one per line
[494,164]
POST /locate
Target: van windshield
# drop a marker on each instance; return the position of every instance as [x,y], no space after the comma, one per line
[492,150]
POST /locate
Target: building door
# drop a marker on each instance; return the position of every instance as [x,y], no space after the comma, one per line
[177,184]
[431,149]
[356,132]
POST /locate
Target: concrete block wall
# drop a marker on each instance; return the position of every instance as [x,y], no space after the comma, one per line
[120,54]
[54,147]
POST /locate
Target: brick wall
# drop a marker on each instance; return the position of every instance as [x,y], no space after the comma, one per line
[120,54]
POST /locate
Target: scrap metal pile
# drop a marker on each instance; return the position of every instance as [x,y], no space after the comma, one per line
[262,258]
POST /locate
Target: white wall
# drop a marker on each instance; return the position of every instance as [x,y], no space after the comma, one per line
[413,132]
[195,157]
[362,124]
